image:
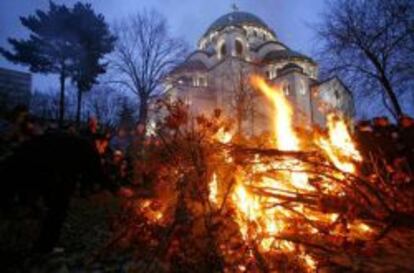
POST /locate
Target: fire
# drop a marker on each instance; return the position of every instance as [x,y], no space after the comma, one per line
[262,217]
[248,208]
[274,207]
[285,137]
[223,136]
[213,190]
[339,146]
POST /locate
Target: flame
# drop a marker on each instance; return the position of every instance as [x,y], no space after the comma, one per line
[309,261]
[223,136]
[255,218]
[285,137]
[251,208]
[248,207]
[213,190]
[153,213]
[339,146]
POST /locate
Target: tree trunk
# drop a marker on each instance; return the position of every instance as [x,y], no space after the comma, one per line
[79,108]
[391,94]
[62,99]
[142,121]
[385,82]
[143,114]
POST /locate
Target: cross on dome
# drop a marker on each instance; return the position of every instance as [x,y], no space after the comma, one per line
[234,7]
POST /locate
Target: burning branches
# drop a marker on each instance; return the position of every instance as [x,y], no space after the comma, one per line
[227,206]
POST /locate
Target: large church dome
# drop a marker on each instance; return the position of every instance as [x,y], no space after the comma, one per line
[238,18]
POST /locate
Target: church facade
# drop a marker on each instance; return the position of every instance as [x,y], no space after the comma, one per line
[238,45]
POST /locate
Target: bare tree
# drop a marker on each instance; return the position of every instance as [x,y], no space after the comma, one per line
[242,96]
[104,103]
[46,104]
[370,44]
[145,52]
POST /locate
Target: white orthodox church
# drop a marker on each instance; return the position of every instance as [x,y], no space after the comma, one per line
[237,45]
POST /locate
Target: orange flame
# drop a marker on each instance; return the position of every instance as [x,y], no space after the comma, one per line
[339,146]
[213,190]
[256,220]
[284,135]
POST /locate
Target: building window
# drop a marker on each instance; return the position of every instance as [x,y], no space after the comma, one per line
[223,50]
[286,89]
[239,48]
[202,81]
[336,93]
[338,99]
[302,87]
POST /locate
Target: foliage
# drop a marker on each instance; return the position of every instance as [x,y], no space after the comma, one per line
[64,41]
[95,40]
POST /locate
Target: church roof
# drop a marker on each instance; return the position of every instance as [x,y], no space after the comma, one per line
[190,65]
[276,55]
[290,67]
[238,18]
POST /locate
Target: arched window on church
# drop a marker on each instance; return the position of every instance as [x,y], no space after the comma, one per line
[337,95]
[286,89]
[223,50]
[302,87]
[239,48]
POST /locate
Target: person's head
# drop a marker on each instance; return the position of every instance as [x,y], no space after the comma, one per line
[406,121]
[364,126]
[101,143]
[381,122]
[118,156]
[122,132]
[72,129]
[93,124]
[140,129]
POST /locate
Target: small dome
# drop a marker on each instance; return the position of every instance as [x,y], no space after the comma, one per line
[290,67]
[238,18]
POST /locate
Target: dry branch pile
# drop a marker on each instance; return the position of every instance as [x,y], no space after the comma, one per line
[218,203]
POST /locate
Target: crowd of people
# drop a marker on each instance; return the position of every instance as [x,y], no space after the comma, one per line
[115,146]
[390,145]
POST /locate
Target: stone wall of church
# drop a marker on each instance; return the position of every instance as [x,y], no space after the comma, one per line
[295,86]
[331,96]
[224,61]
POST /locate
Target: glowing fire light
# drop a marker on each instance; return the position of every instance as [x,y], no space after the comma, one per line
[284,135]
[223,136]
[339,146]
[213,190]
[255,218]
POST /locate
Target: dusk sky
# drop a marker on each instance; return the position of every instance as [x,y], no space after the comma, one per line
[188,19]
